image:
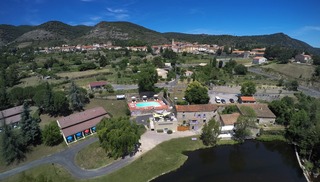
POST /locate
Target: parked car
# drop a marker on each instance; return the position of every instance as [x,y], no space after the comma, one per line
[223,101]
[231,100]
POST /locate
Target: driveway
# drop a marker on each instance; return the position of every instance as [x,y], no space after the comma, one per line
[148,140]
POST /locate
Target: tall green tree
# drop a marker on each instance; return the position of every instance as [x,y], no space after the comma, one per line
[43,98]
[29,127]
[12,75]
[16,96]
[12,144]
[240,69]
[103,61]
[60,103]
[76,97]
[197,93]
[244,123]
[118,136]
[51,134]
[210,133]
[248,88]
[147,78]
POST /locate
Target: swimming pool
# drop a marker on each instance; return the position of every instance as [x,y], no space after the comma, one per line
[148,104]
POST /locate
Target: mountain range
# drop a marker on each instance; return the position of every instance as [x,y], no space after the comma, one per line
[55,33]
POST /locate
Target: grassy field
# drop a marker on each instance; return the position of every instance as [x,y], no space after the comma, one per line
[116,107]
[46,172]
[302,71]
[85,160]
[79,74]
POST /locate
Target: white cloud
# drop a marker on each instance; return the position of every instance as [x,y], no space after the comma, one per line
[86,0]
[311,28]
[117,14]
[95,18]
[111,10]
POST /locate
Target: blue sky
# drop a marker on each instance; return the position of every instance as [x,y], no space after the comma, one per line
[296,18]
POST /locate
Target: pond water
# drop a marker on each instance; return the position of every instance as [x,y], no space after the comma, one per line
[250,161]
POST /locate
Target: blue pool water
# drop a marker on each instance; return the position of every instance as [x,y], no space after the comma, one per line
[147,104]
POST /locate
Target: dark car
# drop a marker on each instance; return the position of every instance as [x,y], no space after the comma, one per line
[223,101]
[231,100]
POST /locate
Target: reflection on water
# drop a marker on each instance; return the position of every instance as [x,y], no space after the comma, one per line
[251,161]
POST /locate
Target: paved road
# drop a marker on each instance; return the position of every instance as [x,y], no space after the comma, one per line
[66,159]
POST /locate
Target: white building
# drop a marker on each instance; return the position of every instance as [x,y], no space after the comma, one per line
[259,60]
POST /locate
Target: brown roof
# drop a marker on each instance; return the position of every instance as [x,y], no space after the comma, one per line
[81,117]
[97,84]
[196,108]
[11,115]
[81,126]
[229,119]
[261,110]
[11,111]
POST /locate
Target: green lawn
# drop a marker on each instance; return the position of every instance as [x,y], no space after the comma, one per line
[85,160]
[116,107]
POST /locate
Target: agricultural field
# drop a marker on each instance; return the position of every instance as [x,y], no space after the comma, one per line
[293,70]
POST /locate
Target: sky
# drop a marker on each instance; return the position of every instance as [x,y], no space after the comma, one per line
[300,19]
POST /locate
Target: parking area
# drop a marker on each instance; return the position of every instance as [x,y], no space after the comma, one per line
[225,96]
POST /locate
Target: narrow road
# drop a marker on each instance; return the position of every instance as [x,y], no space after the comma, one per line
[66,159]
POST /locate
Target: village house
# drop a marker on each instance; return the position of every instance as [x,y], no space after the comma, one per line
[80,125]
[259,60]
[11,116]
[97,85]
[263,113]
[195,116]
[162,73]
[303,58]
[163,121]
[188,73]
[227,122]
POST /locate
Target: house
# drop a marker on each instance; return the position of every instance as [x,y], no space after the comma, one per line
[195,116]
[262,111]
[227,122]
[80,125]
[11,116]
[188,73]
[259,60]
[97,85]
[246,99]
[163,121]
[162,73]
[303,58]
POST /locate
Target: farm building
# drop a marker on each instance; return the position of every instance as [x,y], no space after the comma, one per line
[97,85]
[263,113]
[11,116]
[79,125]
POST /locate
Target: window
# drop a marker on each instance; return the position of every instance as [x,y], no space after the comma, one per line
[199,115]
[204,120]
[183,116]
[204,115]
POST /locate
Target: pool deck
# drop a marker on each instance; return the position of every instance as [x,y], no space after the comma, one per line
[162,106]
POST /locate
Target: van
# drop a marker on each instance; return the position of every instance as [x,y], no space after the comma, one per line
[217,99]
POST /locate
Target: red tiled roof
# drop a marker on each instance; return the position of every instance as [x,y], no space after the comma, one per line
[196,108]
[247,99]
[229,119]
[80,117]
[97,84]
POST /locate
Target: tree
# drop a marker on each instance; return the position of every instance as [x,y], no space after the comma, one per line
[76,97]
[29,127]
[16,96]
[196,93]
[240,69]
[248,88]
[118,136]
[43,97]
[316,60]
[147,78]
[4,100]
[103,61]
[60,103]
[292,85]
[12,144]
[51,134]
[230,109]
[210,133]
[12,75]
[246,120]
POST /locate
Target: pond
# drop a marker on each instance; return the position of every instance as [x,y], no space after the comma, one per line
[250,161]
